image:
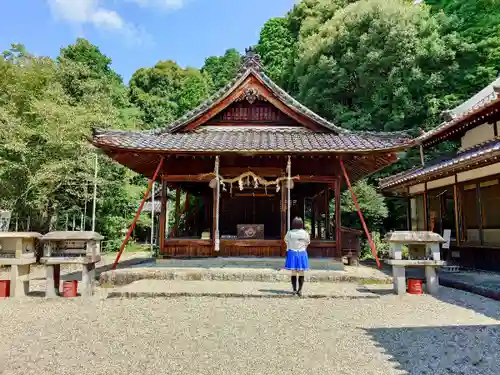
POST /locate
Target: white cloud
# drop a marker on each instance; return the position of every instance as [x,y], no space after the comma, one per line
[163,4]
[108,19]
[85,12]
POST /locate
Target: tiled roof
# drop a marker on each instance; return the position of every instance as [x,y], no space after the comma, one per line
[463,158]
[483,99]
[148,206]
[250,139]
[251,65]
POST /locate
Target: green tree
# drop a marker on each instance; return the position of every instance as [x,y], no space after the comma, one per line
[377,65]
[476,21]
[90,56]
[46,163]
[222,69]
[166,91]
[371,202]
[277,49]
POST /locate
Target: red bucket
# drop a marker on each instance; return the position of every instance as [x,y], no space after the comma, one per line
[4,288]
[70,288]
[414,286]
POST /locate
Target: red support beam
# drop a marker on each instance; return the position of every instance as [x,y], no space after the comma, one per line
[163,213]
[361,218]
[131,229]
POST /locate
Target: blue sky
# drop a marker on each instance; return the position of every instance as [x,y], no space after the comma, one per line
[138,33]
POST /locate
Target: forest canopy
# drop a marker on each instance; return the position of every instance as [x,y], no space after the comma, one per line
[378,65]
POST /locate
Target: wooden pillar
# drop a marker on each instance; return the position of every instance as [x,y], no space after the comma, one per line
[327,212]
[479,213]
[408,213]
[319,222]
[214,214]
[457,213]
[177,210]
[163,214]
[313,218]
[426,209]
[283,218]
[338,220]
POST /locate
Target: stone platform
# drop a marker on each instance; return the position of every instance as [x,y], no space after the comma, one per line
[240,269]
[318,264]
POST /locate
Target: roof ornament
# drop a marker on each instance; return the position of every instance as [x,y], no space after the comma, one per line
[251,60]
[447,116]
[496,89]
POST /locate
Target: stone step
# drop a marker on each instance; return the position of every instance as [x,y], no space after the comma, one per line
[244,289]
[129,275]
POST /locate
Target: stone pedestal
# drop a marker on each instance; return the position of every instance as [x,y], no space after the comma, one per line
[19,275]
[17,251]
[52,267]
[399,279]
[82,248]
[399,274]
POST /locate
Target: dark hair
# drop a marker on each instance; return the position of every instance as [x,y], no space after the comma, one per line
[297,223]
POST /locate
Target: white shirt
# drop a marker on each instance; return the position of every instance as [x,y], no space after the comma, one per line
[297,240]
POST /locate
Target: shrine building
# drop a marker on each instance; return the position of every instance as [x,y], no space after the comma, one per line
[254,158]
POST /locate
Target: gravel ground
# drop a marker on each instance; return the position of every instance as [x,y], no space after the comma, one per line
[455,333]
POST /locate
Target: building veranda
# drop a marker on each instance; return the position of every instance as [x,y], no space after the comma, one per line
[255,158]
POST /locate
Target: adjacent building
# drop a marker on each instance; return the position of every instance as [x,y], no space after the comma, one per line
[460,192]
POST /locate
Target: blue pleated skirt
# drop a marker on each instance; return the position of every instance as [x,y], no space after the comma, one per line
[296,260]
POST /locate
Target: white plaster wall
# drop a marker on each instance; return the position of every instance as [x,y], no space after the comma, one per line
[489,170]
[441,182]
[417,188]
[491,236]
[477,135]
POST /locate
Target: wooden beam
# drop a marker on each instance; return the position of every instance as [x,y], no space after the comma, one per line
[163,213]
[260,171]
[189,178]
[311,178]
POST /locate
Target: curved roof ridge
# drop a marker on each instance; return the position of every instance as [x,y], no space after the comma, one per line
[251,64]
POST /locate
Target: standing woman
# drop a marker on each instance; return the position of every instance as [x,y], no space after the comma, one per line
[297,261]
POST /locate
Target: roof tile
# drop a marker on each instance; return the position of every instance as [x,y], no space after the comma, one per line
[467,156]
[248,139]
